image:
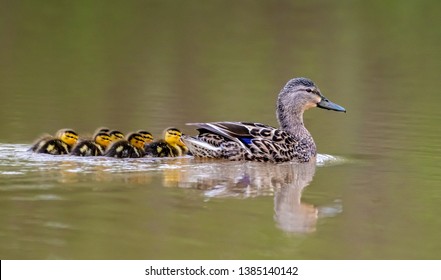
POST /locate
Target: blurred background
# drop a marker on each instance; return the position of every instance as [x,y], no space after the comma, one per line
[153,64]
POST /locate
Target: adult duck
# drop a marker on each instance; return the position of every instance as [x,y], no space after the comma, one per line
[259,142]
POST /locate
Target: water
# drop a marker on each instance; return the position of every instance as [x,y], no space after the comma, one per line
[373,194]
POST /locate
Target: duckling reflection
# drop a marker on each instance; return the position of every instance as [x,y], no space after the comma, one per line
[251,179]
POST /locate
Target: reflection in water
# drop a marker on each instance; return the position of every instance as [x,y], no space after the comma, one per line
[252,179]
[291,214]
[215,179]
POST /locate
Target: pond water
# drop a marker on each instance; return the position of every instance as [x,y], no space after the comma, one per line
[374,192]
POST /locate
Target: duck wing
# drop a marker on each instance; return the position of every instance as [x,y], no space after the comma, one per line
[245,140]
[248,141]
[240,132]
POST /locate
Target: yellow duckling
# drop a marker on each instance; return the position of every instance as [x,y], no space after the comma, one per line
[170,146]
[133,147]
[116,135]
[61,144]
[147,136]
[95,147]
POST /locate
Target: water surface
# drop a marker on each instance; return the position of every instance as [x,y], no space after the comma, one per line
[373,194]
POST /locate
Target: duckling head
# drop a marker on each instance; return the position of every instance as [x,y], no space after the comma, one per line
[102,139]
[148,137]
[116,135]
[68,136]
[297,96]
[173,136]
[101,129]
[136,140]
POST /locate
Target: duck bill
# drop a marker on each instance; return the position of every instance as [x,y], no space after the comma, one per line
[326,104]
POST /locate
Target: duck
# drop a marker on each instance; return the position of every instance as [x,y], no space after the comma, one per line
[60,144]
[250,141]
[95,147]
[116,135]
[170,146]
[133,147]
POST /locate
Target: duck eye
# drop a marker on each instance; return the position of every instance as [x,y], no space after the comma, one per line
[309,90]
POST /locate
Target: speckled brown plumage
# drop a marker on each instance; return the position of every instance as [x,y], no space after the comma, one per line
[259,142]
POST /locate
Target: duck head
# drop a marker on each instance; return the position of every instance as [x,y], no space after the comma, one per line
[297,96]
[300,94]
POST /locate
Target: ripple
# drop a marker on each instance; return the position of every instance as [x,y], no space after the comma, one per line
[40,197]
[11,173]
[16,160]
[57,225]
[329,160]
[331,210]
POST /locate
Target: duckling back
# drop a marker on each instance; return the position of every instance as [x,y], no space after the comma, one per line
[53,146]
[61,144]
[40,142]
[87,148]
[133,147]
[123,149]
[95,147]
[160,148]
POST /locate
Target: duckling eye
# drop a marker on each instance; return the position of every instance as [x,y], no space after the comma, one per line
[309,90]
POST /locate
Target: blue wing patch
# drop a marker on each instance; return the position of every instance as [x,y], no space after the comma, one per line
[246,140]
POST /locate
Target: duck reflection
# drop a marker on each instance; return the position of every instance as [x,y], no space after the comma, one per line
[291,214]
[215,178]
[251,179]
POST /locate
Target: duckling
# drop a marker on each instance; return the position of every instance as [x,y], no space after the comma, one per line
[147,136]
[95,147]
[116,135]
[61,144]
[133,147]
[170,146]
